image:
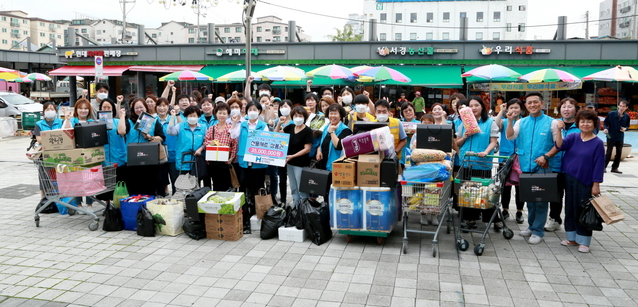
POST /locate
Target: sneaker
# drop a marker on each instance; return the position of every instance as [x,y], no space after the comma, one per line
[525,233]
[583,249]
[519,217]
[498,226]
[506,214]
[568,243]
[424,219]
[615,170]
[435,220]
[552,225]
[534,239]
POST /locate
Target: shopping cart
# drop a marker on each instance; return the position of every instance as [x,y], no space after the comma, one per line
[60,182]
[478,185]
[426,198]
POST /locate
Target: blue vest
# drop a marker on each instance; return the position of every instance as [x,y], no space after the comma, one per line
[557,160]
[115,150]
[478,143]
[458,124]
[170,139]
[243,137]
[534,140]
[207,124]
[333,154]
[188,140]
[407,145]
[55,124]
[506,147]
[134,136]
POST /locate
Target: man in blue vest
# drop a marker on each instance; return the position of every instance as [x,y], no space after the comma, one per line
[533,135]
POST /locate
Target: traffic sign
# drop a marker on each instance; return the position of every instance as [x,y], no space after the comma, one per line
[99,69]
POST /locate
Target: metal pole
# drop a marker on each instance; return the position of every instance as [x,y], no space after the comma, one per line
[123,20]
[197,33]
[249,10]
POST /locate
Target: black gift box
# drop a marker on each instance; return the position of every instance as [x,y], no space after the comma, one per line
[90,134]
[539,187]
[191,200]
[434,137]
[315,181]
[389,172]
[143,154]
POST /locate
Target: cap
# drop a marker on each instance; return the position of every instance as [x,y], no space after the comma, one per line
[417,93]
[590,105]
[220,99]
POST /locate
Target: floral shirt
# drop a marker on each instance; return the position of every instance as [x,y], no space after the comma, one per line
[223,138]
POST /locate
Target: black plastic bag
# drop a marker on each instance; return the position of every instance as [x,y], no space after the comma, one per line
[248,210]
[51,208]
[145,223]
[589,217]
[316,220]
[274,218]
[194,229]
[112,218]
[293,218]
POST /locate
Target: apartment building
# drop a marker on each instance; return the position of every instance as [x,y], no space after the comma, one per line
[618,19]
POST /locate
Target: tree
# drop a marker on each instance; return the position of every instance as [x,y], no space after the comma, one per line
[346,35]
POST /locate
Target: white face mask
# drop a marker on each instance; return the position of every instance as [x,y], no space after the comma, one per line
[284,111]
[261,93]
[253,114]
[361,108]
[234,112]
[367,109]
[102,96]
[382,118]
[347,99]
[50,114]
[298,121]
[192,120]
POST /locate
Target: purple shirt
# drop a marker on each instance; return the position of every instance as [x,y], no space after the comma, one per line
[583,160]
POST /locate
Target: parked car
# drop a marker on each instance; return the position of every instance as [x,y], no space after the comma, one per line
[12,105]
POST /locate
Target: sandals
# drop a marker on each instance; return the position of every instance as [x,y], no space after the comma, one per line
[568,243]
[583,249]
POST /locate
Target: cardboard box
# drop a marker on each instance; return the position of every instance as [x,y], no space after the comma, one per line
[217,153]
[58,139]
[435,137]
[206,206]
[344,173]
[539,187]
[292,234]
[224,227]
[315,181]
[78,156]
[255,223]
[143,153]
[90,134]
[369,170]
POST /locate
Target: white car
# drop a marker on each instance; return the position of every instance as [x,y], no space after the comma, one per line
[12,105]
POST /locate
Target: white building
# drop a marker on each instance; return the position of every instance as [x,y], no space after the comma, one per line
[356,22]
[441,19]
[16,26]
[102,31]
[619,21]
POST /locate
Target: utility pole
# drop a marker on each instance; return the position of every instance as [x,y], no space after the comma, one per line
[587,25]
[249,11]
[124,2]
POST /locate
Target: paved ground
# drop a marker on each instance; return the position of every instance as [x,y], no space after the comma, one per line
[63,263]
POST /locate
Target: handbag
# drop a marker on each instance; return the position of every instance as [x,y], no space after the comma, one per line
[168,216]
[145,224]
[589,217]
[607,210]
[263,201]
[163,152]
[234,181]
[51,208]
[81,182]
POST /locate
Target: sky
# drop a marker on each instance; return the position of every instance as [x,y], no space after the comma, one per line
[151,13]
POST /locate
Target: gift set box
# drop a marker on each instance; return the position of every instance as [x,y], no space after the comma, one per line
[315,181]
[90,134]
[225,227]
[78,156]
[143,154]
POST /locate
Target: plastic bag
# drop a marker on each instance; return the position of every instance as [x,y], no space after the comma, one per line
[69,200]
[145,224]
[274,218]
[589,217]
[316,220]
[469,121]
[112,219]
[426,173]
[51,208]
[293,218]
[120,192]
[194,230]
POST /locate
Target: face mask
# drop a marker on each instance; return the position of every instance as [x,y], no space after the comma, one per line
[50,114]
[284,111]
[361,108]
[347,99]
[102,96]
[253,115]
[261,93]
[234,112]
[192,120]
[298,121]
[382,117]
[367,109]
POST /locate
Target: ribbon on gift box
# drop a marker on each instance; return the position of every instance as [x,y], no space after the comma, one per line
[214,148]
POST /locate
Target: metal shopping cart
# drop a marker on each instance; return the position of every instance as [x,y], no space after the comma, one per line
[426,198]
[61,181]
[478,185]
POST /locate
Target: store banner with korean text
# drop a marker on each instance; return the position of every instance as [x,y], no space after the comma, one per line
[523,87]
[266,147]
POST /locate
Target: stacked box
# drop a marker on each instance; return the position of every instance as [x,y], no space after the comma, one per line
[59,147]
[379,209]
[224,226]
[346,211]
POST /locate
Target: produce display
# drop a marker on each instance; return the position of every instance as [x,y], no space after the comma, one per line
[607,100]
[607,91]
[633,115]
[469,121]
[427,155]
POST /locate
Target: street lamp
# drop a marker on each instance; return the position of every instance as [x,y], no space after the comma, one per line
[249,11]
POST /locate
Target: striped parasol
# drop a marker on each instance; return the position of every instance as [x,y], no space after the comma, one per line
[186,75]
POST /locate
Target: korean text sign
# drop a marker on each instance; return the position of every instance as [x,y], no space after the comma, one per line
[266,147]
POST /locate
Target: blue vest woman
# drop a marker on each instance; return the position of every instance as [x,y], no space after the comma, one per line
[190,138]
[51,121]
[330,147]
[409,116]
[115,150]
[168,170]
[207,118]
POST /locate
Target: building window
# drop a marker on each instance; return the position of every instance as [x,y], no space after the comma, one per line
[52,36]
[276,38]
[479,36]
[41,24]
[258,29]
[382,37]
[58,26]
[84,31]
[4,42]
[98,31]
[399,18]
[286,29]
[463,14]
[429,36]
[521,27]
[237,39]
[237,29]
[191,31]
[508,27]
[154,35]
[226,30]
[383,17]
[276,30]
[509,8]
[413,17]
[223,39]
[4,19]
[42,34]
[445,36]
[429,17]
[397,36]
[497,16]
[59,36]
[25,32]
[479,16]
[24,21]
[496,36]
[267,40]
[191,40]
[259,39]
[412,36]
[446,16]
[521,8]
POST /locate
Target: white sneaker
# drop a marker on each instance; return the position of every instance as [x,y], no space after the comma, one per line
[435,220]
[534,239]
[525,233]
[552,225]
[424,219]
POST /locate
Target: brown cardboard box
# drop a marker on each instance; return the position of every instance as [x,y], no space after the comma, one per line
[224,226]
[344,173]
[79,156]
[369,170]
[58,139]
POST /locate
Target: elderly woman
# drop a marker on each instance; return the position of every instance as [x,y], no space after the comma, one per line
[330,147]
[583,166]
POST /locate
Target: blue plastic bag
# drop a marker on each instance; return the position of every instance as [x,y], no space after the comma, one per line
[426,173]
[69,200]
